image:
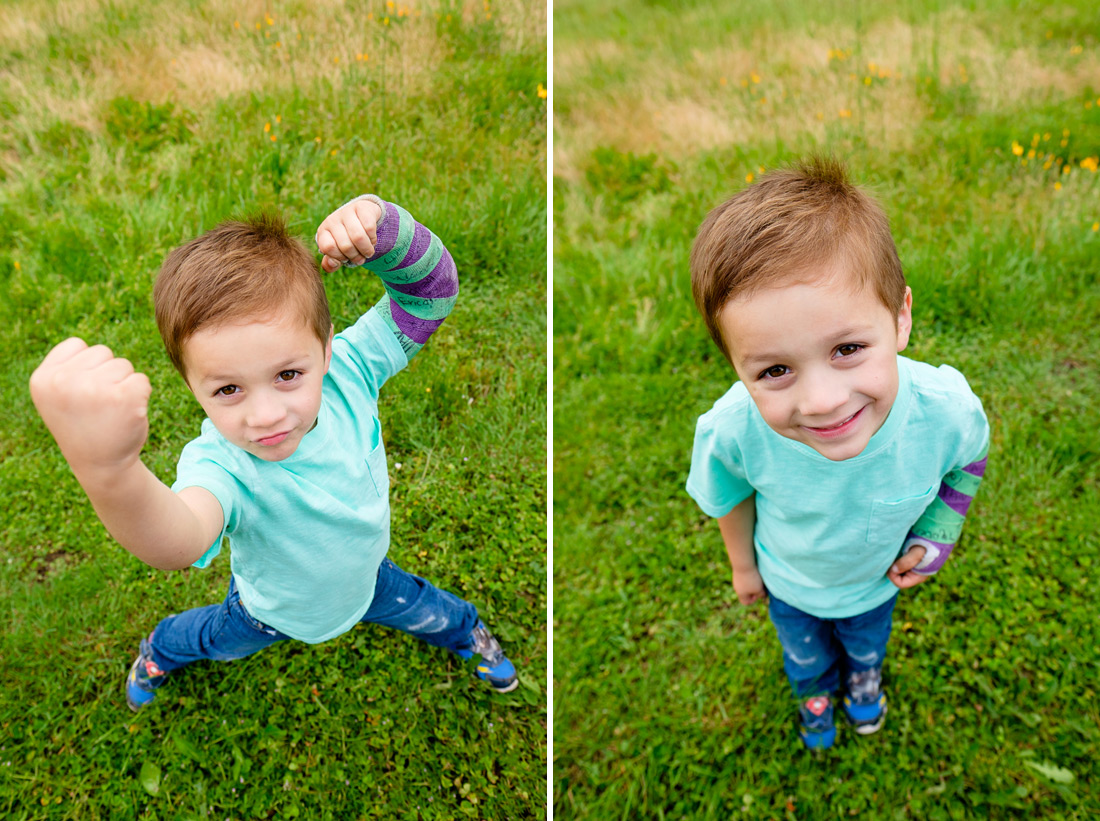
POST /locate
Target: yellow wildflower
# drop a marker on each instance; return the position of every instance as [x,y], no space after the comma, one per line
[1096,226]
[1091,163]
[749,177]
[541,91]
[844,112]
[267,127]
[1057,186]
[1017,149]
[1067,168]
[755,77]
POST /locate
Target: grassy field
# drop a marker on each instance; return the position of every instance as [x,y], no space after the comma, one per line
[978,127]
[128,127]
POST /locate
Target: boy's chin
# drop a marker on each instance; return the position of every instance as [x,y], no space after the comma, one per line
[839,452]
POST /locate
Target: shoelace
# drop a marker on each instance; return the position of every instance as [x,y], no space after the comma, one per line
[485,644]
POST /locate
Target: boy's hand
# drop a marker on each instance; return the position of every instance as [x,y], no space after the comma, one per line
[901,573]
[749,586]
[349,234]
[94,403]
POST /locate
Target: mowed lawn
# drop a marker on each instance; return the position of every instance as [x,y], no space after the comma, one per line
[129,127]
[978,127]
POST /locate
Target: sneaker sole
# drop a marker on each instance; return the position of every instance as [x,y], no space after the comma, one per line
[507,689]
[874,727]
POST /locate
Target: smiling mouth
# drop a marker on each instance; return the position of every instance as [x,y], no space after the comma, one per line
[839,428]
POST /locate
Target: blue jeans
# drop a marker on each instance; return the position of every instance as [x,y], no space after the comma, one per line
[817,653]
[228,631]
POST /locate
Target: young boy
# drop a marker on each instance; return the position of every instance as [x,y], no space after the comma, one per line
[839,472]
[290,463]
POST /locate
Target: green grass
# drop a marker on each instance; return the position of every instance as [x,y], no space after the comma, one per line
[669,697]
[126,128]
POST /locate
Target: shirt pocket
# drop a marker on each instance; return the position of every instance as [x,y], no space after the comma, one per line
[891,518]
[376,470]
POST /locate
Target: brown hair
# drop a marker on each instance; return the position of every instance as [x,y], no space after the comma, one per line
[792,221]
[242,269]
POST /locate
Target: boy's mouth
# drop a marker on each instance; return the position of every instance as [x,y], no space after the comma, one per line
[275,439]
[839,429]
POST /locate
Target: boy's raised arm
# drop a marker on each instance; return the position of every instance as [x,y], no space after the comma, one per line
[417,271]
[96,406]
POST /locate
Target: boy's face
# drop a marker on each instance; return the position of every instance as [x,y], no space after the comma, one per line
[259,381]
[819,359]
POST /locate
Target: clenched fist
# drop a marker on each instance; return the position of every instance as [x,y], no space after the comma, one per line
[95,404]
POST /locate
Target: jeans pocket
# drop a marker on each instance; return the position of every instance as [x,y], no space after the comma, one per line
[240,613]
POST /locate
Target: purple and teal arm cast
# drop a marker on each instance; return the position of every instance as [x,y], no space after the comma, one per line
[418,273]
[938,528]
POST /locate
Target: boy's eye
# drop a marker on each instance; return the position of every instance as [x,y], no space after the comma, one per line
[287,376]
[228,390]
[775,371]
[848,350]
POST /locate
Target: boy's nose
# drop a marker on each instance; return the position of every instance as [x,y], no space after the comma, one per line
[264,411]
[821,397]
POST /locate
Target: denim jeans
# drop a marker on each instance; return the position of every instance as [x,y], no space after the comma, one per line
[228,631]
[820,653]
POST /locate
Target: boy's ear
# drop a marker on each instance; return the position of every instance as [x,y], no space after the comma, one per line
[905,320]
[328,347]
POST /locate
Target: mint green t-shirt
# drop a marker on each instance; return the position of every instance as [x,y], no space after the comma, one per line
[309,533]
[827,532]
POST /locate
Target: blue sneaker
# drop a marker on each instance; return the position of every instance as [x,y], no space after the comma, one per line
[865,703]
[143,679]
[494,666]
[818,731]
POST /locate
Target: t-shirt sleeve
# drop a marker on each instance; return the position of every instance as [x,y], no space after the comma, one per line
[975,425]
[370,348]
[717,479]
[197,469]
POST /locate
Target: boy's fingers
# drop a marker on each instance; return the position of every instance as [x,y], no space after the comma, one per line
[326,243]
[369,214]
[910,560]
[64,351]
[361,240]
[115,370]
[344,244]
[140,385]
